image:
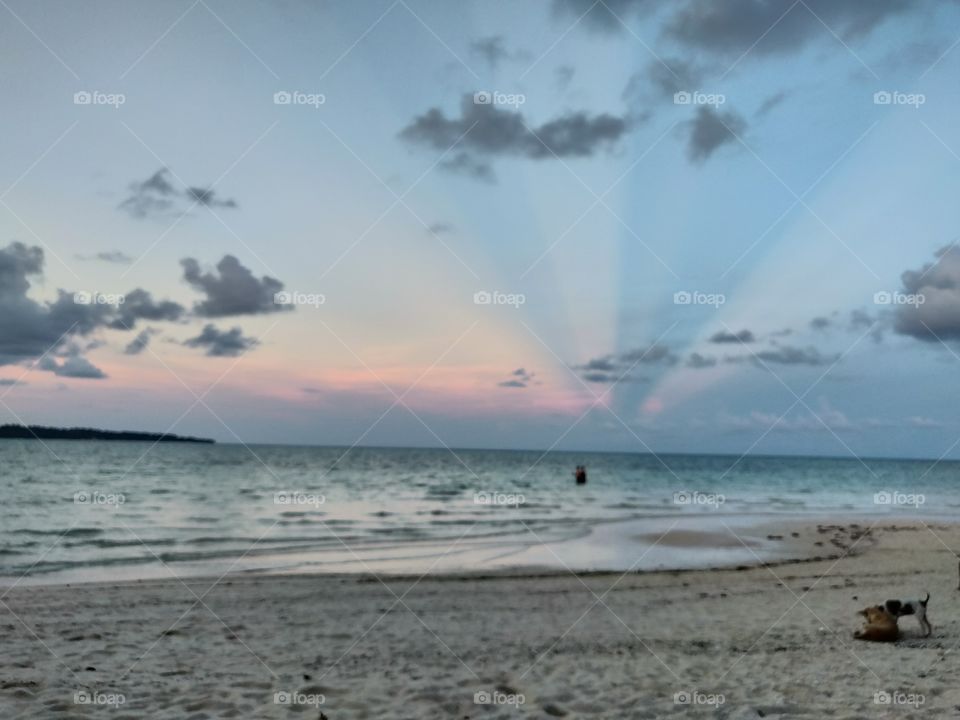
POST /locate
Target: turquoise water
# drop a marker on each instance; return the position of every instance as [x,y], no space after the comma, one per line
[79,511]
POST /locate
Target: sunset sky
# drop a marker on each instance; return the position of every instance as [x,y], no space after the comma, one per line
[799,192]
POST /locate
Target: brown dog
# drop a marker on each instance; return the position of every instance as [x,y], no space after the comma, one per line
[881,625]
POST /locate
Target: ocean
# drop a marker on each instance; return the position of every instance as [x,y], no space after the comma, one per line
[109,511]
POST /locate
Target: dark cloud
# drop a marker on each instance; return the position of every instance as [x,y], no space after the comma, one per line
[222,343]
[463,163]
[519,378]
[73,365]
[140,342]
[28,328]
[820,323]
[733,26]
[618,368]
[440,228]
[770,103]
[698,361]
[606,16]
[140,305]
[929,306]
[710,130]
[232,290]
[725,336]
[157,194]
[110,256]
[789,355]
[10,382]
[493,49]
[564,75]
[486,130]
[664,79]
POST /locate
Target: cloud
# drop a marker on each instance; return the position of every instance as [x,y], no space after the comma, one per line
[519,378]
[789,355]
[140,342]
[73,365]
[140,305]
[770,103]
[110,256]
[607,16]
[440,228]
[820,323]
[618,368]
[10,382]
[29,329]
[157,194]
[710,130]
[222,343]
[463,163]
[493,49]
[665,78]
[564,75]
[698,361]
[232,290]
[931,299]
[486,130]
[725,336]
[734,26]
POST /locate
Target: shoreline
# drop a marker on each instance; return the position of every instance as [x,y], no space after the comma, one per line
[774,640]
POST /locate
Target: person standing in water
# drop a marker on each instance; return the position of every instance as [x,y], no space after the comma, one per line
[581,475]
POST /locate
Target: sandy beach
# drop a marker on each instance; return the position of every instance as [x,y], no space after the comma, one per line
[772,642]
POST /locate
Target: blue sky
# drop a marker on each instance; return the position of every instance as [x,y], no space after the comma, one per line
[586,191]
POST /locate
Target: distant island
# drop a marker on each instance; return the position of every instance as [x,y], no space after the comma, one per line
[33,432]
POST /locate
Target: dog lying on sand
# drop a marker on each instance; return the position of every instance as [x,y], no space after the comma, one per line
[899,608]
[881,625]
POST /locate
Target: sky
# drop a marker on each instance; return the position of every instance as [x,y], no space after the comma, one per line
[718,226]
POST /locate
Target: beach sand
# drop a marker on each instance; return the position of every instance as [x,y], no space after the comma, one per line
[774,642]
